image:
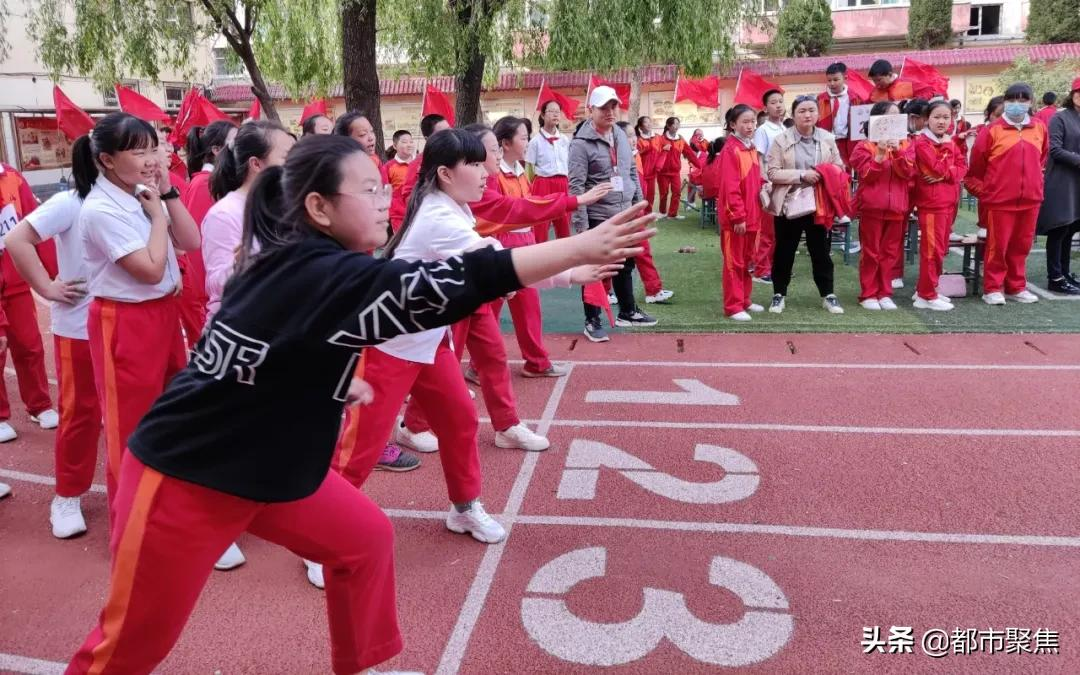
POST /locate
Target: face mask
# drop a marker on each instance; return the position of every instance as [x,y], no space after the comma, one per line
[1016,110]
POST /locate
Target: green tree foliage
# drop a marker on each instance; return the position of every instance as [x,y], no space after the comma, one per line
[1043,76]
[298,44]
[930,23]
[804,28]
[1054,21]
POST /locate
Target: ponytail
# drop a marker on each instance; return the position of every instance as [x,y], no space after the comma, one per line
[116,132]
[254,140]
[201,142]
[715,148]
[83,167]
[264,228]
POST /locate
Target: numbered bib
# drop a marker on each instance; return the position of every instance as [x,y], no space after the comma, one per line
[8,219]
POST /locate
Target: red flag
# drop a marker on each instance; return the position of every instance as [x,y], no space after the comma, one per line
[858,86]
[255,112]
[437,103]
[621,90]
[134,103]
[926,81]
[70,118]
[596,295]
[751,87]
[316,107]
[195,110]
[705,92]
[569,106]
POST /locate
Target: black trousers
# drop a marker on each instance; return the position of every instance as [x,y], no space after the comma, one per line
[623,285]
[818,242]
[1058,249]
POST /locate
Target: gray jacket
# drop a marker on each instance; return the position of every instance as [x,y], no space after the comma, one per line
[1061,203]
[590,163]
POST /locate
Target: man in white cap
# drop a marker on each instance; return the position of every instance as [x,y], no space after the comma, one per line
[600,152]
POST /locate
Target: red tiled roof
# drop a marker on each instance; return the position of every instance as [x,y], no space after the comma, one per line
[240,91]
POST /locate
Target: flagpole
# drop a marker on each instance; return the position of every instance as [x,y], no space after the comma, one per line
[539,94]
[675,97]
[423,99]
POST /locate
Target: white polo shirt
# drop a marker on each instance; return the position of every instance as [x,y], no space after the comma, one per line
[59,218]
[114,225]
[547,157]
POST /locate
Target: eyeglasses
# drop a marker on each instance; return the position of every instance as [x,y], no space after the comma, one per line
[378,195]
[805,98]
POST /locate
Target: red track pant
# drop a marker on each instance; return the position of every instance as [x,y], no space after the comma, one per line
[1009,236]
[934,230]
[898,266]
[669,184]
[737,283]
[526,313]
[193,298]
[80,417]
[650,276]
[169,532]
[28,355]
[882,240]
[440,389]
[478,332]
[136,348]
[764,245]
[844,146]
[551,185]
[648,188]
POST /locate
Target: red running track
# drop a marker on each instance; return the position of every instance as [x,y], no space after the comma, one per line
[910,481]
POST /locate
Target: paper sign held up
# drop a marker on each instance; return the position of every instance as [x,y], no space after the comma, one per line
[888,128]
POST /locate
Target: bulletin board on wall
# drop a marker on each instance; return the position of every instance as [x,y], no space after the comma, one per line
[40,144]
[977,93]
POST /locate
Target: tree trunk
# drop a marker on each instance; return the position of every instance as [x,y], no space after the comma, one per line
[634,110]
[258,82]
[358,64]
[469,83]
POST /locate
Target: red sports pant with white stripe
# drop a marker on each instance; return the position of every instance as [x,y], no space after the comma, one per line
[551,185]
[526,313]
[646,267]
[27,355]
[669,184]
[934,230]
[80,417]
[882,237]
[136,348]
[440,389]
[479,332]
[168,533]
[764,246]
[648,188]
[737,282]
[1009,237]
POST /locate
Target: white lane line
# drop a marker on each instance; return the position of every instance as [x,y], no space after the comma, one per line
[823,428]
[803,531]
[40,479]
[454,652]
[828,366]
[1049,295]
[13,663]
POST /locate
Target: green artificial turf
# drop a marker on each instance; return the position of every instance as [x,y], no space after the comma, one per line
[697,305]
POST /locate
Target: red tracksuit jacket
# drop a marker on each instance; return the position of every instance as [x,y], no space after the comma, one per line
[14,190]
[649,152]
[938,160]
[897,91]
[885,187]
[394,174]
[710,179]
[826,115]
[1007,165]
[740,185]
[669,162]
[507,205]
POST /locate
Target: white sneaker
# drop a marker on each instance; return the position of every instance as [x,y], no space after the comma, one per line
[612,299]
[982,233]
[777,305]
[754,307]
[994,298]
[423,441]
[663,296]
[5,490]
[740,316]
[680,217]
[871,304]
[476,522]
[65,514]
[887,304]
[519,436]
[314,574]
[897,283]
[937,304]
[47,419]
[230,559]
[832,304]
[7,432]
[855,247]
[1025,296]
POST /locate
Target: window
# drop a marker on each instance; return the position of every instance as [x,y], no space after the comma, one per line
[536,16]
[110,94]
[985,20]
[174,95]
[226,63]
[843,4]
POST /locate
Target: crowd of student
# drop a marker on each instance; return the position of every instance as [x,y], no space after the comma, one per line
[197,304]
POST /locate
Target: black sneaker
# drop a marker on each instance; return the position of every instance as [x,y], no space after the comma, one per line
[637,318]
[777,304]
[1064,286]
[1073,279]
[594,330]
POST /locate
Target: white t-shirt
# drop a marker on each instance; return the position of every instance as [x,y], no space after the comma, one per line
[548,158]
[59,217]
[114,225]
[765,134]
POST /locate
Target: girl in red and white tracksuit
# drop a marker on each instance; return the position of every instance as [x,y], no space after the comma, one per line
[882,201]
[940,168]
[671,151]
[648,146]
[203,146]
[700,148]
[1007,178]
[739,210]
[132,273]
[711,172]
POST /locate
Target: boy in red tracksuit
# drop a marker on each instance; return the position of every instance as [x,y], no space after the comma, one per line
[941,167]
[1007,176]
[672,148]
[739,210]
[648,151]
[834,109]
[882,202]
[394,173]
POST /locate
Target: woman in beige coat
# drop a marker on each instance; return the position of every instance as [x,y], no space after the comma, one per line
[790,165]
